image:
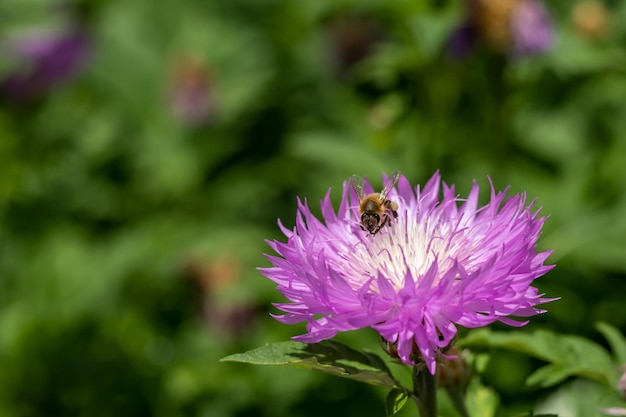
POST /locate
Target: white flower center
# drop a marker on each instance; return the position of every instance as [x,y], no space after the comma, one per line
[405,246]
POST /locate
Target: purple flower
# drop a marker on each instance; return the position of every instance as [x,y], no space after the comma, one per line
[440,264]
[44,61]
[462,40]
[519,28]
[531,28]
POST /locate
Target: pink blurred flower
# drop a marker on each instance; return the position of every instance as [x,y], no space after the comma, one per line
[192,93]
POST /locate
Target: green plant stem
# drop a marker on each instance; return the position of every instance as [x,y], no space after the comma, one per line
[425,391]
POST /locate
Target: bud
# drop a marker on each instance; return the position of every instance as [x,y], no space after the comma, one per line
[454,370]
[454,373]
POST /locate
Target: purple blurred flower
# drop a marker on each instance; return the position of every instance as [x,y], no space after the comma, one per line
[44,61]
[462,40]
[439,265]
[531,28]
[519,28]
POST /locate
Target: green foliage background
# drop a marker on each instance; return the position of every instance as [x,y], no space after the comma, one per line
[129,240]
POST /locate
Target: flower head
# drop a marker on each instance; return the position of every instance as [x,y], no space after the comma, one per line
[46,59]
[441,263]
[519,28]
[531,28]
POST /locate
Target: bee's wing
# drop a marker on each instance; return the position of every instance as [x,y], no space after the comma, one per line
[391,182]
[357,184]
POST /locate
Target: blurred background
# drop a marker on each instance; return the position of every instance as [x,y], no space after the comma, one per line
[147,150]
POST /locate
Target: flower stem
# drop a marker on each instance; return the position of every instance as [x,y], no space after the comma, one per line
[425,391]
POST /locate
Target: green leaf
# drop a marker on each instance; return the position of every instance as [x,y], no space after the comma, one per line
[396,399]
[481,400]
[579,397]
[328,356]
[616,340]
[568,355]
[548,375]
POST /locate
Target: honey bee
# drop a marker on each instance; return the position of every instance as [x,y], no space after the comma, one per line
[375,210]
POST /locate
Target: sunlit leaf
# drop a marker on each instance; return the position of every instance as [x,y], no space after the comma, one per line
[396,399]
[567,355]
[481,400]
[580,397]
[328,356]
[548,375]
[613,411]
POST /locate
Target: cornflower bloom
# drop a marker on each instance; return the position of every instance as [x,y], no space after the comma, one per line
[439,264]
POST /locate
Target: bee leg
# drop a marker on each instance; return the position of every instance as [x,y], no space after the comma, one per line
[386,221]
[389,214]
